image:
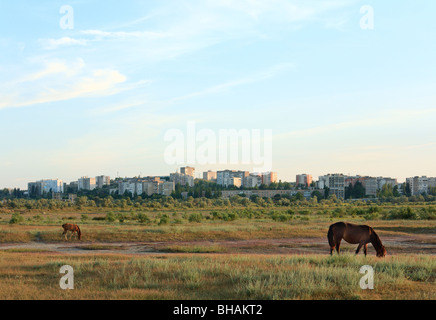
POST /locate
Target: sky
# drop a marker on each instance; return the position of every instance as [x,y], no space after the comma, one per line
[93,88]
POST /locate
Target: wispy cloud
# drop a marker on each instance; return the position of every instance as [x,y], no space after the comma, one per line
[52,44]
[260,76]
[60,81]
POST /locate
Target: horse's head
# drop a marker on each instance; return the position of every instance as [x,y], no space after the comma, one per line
[381,253]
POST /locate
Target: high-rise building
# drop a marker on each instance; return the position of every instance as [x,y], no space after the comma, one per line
[224,178]
[42,187]
[182,179]
[304,180]
[253,181]
[420,185]
[269,177]
[189,171]
[335,183]
[209,176]
[101,181]
[86,183]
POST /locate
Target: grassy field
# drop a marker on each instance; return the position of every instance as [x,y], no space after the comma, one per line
[192,259]
[35,275]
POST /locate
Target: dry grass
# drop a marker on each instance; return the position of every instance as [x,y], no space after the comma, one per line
[218,276]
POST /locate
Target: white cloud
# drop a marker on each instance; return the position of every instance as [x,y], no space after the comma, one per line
[60,81]
[51,44]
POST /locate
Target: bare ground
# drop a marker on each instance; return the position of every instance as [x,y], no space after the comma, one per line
[419,244]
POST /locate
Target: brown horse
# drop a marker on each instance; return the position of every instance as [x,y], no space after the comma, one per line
[354,234]
[74,228]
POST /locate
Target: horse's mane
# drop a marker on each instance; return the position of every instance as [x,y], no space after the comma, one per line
[375,240]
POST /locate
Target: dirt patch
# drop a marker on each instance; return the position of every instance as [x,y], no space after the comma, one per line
[423,244]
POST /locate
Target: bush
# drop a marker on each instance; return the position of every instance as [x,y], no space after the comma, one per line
[402,214]
[165,219]
[195,217]
[16,218]
[110,216]
[427,213]
[143,218]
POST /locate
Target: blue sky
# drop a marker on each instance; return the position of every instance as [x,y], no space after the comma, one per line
[98,98]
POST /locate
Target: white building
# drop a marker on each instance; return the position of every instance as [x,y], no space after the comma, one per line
[182,179]
[224,178]
[101,181]
[420,185]
[86,183]
[42,187]
[335,182]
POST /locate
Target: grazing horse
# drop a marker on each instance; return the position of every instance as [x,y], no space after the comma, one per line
[74,228]
[354,234]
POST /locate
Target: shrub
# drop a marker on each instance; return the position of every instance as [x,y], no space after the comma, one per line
[195,217]
[16,218]
[110,216]
[165,219]
[402,214]
[143,218]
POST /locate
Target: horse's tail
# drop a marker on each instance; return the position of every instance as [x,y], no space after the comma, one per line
[331,237]
[79,233]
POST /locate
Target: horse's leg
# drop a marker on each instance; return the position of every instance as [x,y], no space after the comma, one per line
[358,248]
[338,244]
[365,249]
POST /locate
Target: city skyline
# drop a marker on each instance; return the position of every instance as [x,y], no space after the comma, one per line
[89,88]
[202,176]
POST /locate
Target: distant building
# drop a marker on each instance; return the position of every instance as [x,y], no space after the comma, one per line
[42,187]
[335,183]
[225,177]
[269,177]
[182,179]
[101,181]
[148,186]
[253,181]
[371,186]
[209,176]
[420,185]
[86,183]
[304,180]
[189,171]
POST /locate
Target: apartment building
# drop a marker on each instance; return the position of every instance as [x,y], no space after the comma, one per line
[303,180]
[148,186]
[182,179]
[209,176]
[253,181]
[269,177]
[189,171]
[420,185]
[225,177]
[41,187]
[101,181]
[86,183]
[335,183]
